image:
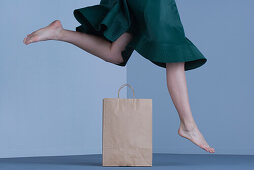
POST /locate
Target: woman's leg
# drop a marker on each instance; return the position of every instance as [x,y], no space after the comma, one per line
[98,46]
[176,83]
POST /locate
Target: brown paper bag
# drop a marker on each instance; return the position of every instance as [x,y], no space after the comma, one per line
[127,131]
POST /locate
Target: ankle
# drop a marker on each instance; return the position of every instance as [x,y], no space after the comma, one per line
[60,34]
[188,125]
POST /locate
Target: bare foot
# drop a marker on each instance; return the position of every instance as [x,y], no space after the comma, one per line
[51,32]
[195,136]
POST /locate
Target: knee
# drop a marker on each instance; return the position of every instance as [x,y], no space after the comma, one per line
[118,59]
[115,57]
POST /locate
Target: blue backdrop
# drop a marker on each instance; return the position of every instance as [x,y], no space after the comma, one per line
[51,92]
[221,92]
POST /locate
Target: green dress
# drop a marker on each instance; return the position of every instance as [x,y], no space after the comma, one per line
[158,32]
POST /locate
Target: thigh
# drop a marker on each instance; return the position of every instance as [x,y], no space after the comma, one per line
[120,51]
[120,44]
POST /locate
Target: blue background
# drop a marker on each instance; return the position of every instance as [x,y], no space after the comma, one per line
[51,92]
[220,92]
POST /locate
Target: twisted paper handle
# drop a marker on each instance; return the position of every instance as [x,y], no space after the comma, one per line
[126,84]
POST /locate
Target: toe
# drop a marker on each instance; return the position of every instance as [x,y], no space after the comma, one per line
[205,147]
[211,149]
[25,40]
[28,40]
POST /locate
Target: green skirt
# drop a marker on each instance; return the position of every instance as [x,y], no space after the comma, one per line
[158,32]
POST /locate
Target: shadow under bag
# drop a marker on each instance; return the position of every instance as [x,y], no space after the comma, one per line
[127,131]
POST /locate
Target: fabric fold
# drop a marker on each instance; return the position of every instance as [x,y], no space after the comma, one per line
[158,33]
[109,22]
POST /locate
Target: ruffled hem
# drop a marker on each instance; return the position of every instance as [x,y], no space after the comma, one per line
[168,53]
[109,22]
[112,20]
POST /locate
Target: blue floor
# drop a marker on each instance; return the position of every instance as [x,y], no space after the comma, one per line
[160,161]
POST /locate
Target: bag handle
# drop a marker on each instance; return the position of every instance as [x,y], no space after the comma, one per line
[126,84]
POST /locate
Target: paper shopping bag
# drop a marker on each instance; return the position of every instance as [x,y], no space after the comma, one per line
[127,131]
